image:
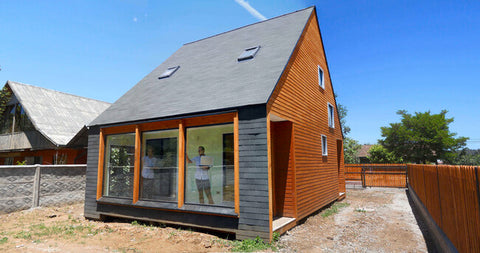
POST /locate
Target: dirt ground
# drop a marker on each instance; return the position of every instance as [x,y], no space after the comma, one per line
[376,220]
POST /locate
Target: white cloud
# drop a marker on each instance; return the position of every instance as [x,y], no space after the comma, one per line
[135,19]
[250,9]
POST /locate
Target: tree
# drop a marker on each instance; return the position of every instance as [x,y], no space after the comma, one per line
[379,154]
[422,138]
[467,157]
[350,146]
[350,150]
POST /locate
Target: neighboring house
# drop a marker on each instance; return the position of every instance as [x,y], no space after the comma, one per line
[257,101]
[41,126]
[363,153]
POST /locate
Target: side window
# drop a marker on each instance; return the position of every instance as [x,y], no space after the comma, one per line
[324,145]
[321,77]
[331,116]
[118,167]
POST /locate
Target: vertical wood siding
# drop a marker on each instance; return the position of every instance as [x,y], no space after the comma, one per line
[451,196]
[299,99]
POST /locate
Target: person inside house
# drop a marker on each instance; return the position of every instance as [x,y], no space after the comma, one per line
[150,164]
[202,179]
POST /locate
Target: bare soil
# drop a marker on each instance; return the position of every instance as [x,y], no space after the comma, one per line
[376,220]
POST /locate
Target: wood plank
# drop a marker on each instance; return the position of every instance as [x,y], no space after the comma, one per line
[136,165]
[101,153]
[270,178]
[236,163]
[181,164]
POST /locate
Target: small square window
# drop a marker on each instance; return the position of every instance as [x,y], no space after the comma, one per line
[321,77]
[169,72]
[324,145]
[331,116]
[249,53]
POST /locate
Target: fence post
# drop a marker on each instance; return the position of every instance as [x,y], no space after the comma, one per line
[363,177]
[439,199]
[36,187]
[478,189]
[406,176]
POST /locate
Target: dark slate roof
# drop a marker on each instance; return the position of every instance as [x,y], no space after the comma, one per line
[58,116]
[210,77]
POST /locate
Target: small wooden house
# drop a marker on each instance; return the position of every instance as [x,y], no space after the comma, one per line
[42,126]
[237,132]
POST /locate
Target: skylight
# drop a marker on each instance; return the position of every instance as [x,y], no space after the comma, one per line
[169,72]
[249,53]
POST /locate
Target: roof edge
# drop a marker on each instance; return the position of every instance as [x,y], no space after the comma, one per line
[238,28]
[28,113]
[65,93]
[291,54]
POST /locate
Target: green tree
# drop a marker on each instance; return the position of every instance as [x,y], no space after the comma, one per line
[350,146]
[350,150]
[422,138]
[379,154]
[467,157]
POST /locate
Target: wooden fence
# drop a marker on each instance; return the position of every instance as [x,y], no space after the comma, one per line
[377,175]
[452,196]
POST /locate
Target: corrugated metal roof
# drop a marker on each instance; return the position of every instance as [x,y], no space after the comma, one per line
[58,116]
[210,77]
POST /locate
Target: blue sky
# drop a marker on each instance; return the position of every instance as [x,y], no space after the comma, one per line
[383,56]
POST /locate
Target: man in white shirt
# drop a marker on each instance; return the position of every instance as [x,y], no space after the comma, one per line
[149,164]
[201,176]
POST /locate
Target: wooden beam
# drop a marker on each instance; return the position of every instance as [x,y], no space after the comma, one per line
[101,154]
[181,163]
[136,166]
[270,178]
[236,158]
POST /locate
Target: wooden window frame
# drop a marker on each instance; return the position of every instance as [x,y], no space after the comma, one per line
[181,125]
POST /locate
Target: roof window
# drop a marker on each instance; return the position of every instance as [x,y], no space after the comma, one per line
[249,53]
[169,72]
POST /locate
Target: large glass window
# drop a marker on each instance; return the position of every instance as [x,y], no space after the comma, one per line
[209,175]
[15,113]
[119,163]
[159,165]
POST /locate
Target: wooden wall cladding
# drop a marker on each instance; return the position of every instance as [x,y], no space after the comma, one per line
[299,98]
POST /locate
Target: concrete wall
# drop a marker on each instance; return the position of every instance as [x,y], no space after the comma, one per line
[24,187]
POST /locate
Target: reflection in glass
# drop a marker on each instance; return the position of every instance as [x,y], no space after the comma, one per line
[119,163]
[209,163]
[159,165]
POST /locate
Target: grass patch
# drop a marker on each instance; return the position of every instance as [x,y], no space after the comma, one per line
[333,209]
[257,244]
[3,240]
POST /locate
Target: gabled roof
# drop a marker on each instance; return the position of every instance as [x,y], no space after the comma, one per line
[209,76]
[363,152]
[56,115]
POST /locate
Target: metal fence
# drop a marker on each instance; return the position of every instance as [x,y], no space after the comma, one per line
[377,175]
[452,197]
[24,187]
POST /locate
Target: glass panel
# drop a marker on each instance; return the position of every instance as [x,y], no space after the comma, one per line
[119,163]
[209,173]
[159,165]
[7,119]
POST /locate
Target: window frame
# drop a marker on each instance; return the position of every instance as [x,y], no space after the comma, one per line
[324,145]
[331,115]
[321,79]
[181,124]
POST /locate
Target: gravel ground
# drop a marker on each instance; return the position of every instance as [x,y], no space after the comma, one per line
[375,220]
